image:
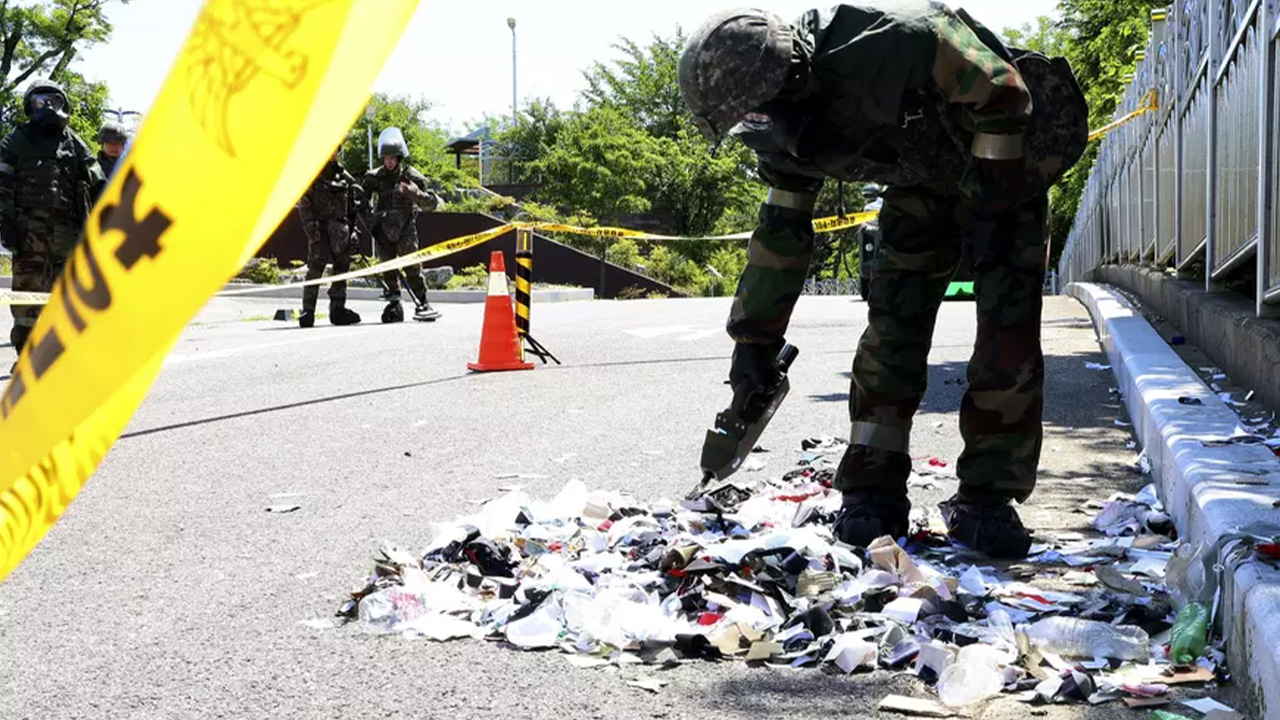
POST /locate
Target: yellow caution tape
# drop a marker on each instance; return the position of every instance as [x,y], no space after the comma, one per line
[432,252]
[156,246]
[1149,103]
[831,224]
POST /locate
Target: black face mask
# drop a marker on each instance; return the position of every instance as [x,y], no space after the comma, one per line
[49,120]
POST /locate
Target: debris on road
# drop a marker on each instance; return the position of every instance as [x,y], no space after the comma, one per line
[1096,366]
[751,572]
[280,509]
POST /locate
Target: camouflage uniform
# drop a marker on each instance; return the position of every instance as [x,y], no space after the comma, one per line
[925,101]
[327,209]
[393,222]
[49,180]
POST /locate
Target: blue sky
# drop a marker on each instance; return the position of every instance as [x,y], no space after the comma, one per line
[458,54]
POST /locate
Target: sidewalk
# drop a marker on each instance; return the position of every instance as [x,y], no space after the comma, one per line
[1212,483]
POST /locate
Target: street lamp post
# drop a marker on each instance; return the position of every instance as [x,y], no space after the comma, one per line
[369,114]
[511,23]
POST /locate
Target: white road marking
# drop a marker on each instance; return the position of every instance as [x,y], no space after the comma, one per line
[649,333]
[231,352]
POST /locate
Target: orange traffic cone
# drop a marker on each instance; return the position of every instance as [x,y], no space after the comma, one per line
[500,347]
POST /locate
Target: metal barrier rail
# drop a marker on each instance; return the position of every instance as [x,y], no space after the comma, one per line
[1191,185]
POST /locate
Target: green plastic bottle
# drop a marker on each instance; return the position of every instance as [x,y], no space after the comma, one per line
[1190,634]
[1166,715]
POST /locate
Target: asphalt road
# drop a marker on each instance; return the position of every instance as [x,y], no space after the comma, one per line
[167,591]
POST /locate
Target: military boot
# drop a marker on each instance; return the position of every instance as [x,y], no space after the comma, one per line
[307,318]
[423,312]
[993,528]
[393,312]
[340,314]
[866,515]
[18,336]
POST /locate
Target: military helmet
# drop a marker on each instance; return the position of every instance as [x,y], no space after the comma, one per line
[43,93]
[391,143]
[735,62]
[112,131]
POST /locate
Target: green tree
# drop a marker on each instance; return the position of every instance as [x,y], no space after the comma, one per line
[426,140]
[643,84]
[41,39]
[601,163]
[532,138]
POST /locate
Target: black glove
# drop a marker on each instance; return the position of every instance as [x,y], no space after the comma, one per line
[754,367]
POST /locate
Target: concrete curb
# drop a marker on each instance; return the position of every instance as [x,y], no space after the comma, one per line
[1198,484]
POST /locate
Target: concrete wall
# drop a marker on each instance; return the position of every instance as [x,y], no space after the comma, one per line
[1223,325]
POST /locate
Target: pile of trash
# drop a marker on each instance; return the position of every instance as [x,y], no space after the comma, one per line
[751,572]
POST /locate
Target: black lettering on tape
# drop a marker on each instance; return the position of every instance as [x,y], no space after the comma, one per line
[46,352]
[141,237]
[72,312]
[17,388]
[96,296]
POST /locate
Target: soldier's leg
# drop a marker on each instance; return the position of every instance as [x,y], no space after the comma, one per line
[340,249]
[1000,416]
[31,273]
[394,311]
[317,258]
[423,311]
[919,252]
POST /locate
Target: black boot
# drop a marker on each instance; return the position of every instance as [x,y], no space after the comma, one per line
[991,528]
[866,515]
[340,314]
[307,318]
[393,312]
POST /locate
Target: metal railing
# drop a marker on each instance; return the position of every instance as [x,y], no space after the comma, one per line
[1191,183]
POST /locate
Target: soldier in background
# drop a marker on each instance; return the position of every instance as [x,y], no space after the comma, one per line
[49,180]
[396,192]
[968,135]
[328,209]
[112,137]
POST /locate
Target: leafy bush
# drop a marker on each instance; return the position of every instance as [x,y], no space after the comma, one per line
[262,271]
[476,276]
[6,265]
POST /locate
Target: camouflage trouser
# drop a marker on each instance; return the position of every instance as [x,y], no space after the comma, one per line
[37,262]
[396,244]
[327,242]
[1000,416]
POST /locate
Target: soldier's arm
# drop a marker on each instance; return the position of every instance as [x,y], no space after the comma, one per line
[995,101]
[423,197]
[8,181]
[778,256]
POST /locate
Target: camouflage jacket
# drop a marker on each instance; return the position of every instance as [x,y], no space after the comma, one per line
[899,90]
[392,211]
[107,163]
[333,196]
[47,183]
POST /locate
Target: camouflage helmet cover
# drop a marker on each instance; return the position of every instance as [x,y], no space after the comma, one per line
[735,62]
[113,131]
[44,86]
[391,143]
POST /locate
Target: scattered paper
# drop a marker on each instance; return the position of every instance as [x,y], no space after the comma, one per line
[320,624]
[905,609]
[1112,578]
[886,555]
[648,682]
[1206,705]
[586,661]
[912,706]
[849,652]
[1146,702]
